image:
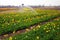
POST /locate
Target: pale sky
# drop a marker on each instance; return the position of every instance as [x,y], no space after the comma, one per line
[30,2]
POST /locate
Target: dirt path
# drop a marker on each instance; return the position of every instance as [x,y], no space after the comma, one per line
[23,30]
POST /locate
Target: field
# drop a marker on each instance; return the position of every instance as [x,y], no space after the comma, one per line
[30,25]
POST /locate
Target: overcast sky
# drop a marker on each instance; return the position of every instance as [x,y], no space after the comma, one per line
[30,2]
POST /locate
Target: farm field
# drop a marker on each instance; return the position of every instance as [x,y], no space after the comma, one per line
[11,22]
[5,9]
[48,31]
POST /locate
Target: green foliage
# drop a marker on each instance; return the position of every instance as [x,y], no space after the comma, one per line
[48,31]
[12,21]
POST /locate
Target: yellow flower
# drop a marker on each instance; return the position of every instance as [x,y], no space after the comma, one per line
[26,9]
[10,38]
[47,31]
[44,28]
[53,29]
[9,16]
[37,37]
[18,21]
[13,32]
[38,26]
[48,24]
[15,37]
[8,24]
[27,29]
[17,15]
[34,29]
[12,19]
[54,26]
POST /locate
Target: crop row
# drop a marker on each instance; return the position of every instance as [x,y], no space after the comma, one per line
[48,31]
[10,22]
